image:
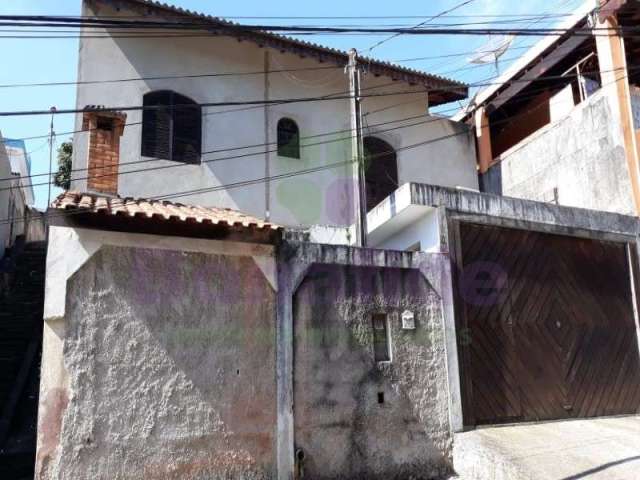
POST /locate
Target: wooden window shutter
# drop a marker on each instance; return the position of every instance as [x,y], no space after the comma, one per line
[187,129]
[156,125]
[173,132]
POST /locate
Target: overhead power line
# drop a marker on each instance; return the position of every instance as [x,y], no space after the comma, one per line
[259,180]
[343,17]
[250,182]
[227,28]
[234,157]
[170,77]
[519,98]
[212,104]
[261,145]
[230,74]
[527,20]
[421,24]
[299,100]
[287,175]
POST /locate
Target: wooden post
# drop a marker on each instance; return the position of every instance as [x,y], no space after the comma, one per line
[615,78]
[357,150]
[483,137]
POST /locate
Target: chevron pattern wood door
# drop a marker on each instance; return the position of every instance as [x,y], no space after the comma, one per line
[548,327]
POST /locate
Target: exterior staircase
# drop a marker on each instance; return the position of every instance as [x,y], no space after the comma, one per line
[21,312]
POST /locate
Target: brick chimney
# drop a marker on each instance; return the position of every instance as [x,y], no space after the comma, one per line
[105,130]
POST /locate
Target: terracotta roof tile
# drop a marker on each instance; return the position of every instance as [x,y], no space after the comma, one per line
[157,209]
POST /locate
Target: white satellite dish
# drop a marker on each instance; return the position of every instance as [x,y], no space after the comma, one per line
[491,51]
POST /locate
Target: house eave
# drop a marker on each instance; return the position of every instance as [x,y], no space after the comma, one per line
[441,89]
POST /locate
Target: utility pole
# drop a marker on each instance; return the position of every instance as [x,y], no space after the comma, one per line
[357,149]
[52,135]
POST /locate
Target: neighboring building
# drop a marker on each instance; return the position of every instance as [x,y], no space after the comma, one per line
[561,125]
[193,342]
[221,156]
[6,208]
[21,167]
[14,196]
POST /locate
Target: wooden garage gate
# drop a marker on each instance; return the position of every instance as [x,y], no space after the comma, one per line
[546,326]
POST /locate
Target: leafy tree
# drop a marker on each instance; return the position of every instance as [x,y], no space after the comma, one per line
[62,177]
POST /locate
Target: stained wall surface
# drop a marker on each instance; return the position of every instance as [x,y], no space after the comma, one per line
[170,368]
[355,417]
[579,161]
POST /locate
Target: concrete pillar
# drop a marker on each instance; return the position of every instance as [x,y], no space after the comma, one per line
[284,373]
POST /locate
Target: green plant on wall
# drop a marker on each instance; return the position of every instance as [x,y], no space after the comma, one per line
[62,177]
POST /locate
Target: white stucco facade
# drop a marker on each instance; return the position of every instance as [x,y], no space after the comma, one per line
[12,202]
[21,167]
[398,223]
[5,172]
[429,149]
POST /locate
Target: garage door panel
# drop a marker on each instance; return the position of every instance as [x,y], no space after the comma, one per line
[551,326]
[541,381]
[494,350]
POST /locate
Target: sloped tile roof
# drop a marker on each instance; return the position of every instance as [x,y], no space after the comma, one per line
[158,210]
[450,89]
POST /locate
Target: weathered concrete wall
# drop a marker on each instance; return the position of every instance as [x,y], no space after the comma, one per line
[167,361]
[339,423]
[520,213]
[582,156]
[168,369]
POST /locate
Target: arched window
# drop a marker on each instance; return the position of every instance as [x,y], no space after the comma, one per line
[173,131]
[288,138]
[381,170]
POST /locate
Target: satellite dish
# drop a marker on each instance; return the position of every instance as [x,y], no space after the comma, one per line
[491,51]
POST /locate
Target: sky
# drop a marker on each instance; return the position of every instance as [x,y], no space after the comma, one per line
[54,60]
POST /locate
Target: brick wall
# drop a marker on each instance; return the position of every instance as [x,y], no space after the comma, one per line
[105,130]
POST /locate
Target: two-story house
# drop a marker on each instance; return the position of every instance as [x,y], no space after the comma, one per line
[251,120]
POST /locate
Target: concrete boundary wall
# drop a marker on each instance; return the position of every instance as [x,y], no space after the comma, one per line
[295,259]
[286,264]
[68,251]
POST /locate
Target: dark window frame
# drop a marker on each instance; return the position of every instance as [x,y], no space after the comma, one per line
[288,138]
[173,130]
[381,170]
[381,337]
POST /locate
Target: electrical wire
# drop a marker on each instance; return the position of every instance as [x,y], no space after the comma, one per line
[235,110]
[215,74]
[168,77]
[262,179]
[520,98]
[245,147]
[326,17]
[289,174]
[223,27]
[294,100]
[234,157]
[526,20]
[421,24]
